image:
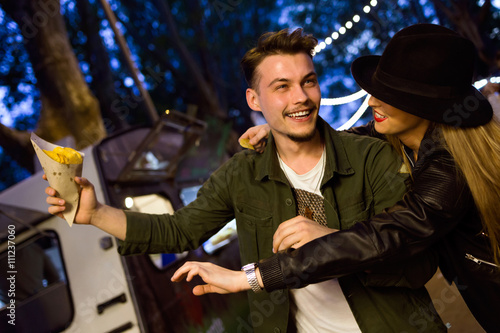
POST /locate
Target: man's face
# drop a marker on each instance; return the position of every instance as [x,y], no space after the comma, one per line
[288,95]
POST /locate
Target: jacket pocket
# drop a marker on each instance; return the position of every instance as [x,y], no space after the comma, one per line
[255,233]
[354,213]
[486,269]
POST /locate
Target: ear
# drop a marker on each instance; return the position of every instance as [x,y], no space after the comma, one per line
[253,100]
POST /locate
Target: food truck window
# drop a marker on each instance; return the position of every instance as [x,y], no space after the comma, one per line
[221,238]
[33,284]
[157,204]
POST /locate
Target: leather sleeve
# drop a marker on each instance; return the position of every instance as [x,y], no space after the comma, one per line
[413,272]
[430,210]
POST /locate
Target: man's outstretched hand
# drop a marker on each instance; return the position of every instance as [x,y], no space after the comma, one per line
[218,279]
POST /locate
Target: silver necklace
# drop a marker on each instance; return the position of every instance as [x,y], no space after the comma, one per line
[307,210]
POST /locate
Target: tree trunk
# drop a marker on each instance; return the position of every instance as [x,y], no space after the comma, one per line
[68,106]
[102,77]
[467,25]
[207,91]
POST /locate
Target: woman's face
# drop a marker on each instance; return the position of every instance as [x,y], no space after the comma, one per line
[393,121]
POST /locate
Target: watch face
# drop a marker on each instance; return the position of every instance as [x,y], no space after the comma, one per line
[248,266]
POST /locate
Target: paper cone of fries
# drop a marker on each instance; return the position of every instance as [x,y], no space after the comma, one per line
[61,173]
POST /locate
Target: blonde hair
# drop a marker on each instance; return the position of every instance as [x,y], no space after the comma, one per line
[398,146]
[476,152]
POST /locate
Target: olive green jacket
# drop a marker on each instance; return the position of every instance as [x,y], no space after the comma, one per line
[361,178]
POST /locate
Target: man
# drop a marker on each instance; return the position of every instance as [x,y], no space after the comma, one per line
[309,169]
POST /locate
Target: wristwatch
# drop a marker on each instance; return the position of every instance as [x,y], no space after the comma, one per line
[249,270]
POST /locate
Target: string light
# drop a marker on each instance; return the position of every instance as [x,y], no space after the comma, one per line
[355,117]
[481,83]
[343,100]
[350,98]
[364,106]
[343,29]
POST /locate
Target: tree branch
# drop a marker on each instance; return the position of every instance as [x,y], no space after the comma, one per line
[18,146]
[206,90]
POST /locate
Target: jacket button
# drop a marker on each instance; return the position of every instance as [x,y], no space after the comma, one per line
[288,202]
[277,330]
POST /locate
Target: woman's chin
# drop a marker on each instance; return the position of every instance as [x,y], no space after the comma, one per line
[380,128]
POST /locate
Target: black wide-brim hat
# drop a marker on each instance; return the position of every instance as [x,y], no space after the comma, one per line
[426,70]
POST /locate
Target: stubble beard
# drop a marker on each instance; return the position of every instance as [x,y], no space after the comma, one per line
[299,138]
[302,138]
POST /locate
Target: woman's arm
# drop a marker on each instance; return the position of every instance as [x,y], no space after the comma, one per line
[427,213]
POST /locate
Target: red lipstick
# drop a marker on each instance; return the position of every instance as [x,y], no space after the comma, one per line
[377,117]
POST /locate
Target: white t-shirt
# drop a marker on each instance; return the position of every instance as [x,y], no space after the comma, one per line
[319,307]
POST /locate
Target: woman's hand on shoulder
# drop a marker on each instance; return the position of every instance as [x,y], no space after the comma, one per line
[256,136]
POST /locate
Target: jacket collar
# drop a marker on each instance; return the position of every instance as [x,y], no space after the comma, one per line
[432,143]
[336,157]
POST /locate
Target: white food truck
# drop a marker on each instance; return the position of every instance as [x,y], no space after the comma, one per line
[57,278]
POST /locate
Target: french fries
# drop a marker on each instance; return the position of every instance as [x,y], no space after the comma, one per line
[245,143]
[64,155]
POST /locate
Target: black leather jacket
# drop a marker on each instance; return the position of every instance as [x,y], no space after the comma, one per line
[438,211]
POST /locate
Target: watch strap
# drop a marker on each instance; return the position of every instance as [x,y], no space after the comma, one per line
[249,270]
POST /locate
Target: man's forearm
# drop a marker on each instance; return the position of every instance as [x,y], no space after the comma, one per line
[111,220]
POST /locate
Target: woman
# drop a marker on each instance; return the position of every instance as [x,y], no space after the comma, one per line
[423,103]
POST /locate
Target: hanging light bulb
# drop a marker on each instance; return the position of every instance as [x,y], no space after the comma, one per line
[348,25]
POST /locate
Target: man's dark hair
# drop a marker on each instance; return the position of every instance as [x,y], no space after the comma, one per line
[272,43]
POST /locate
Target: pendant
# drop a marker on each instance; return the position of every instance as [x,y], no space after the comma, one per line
[308,213]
